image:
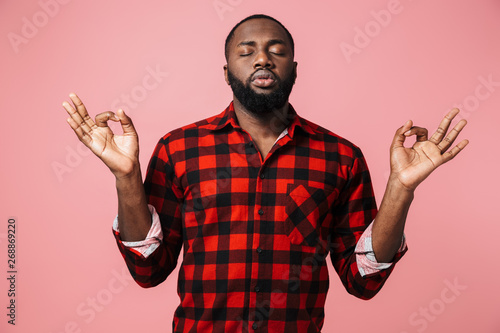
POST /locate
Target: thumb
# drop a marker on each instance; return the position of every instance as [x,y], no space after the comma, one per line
[399,136]
[126,122]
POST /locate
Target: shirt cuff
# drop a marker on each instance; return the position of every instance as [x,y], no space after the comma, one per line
[365,257]
[153,238]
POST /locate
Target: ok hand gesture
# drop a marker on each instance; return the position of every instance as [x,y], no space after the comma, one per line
[410,166]
[119,152]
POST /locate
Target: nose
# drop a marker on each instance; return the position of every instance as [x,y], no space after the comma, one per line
[262,59]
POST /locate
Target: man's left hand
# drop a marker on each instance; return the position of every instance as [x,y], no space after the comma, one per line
[410,166]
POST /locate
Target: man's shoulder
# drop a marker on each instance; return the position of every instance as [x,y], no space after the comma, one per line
[332,140]
[198,128]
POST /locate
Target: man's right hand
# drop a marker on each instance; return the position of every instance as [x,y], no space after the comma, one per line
[120,153]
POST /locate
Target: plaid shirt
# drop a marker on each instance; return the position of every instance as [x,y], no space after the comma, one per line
[256,233]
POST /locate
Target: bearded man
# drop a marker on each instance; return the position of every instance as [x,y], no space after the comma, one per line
[258,197]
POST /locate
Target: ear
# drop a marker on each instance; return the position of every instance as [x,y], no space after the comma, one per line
[225,74]
[295,68]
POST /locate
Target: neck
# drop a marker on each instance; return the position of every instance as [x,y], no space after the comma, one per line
[262,126]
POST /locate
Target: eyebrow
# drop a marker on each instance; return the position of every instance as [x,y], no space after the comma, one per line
[269,43]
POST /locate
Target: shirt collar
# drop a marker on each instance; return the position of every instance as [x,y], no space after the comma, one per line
[228,117]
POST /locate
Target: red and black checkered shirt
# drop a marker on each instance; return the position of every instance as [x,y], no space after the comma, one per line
[256,233]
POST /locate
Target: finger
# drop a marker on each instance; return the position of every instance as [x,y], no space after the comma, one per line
[443,127]
[450,138]
[455,150]
[101,119]
[77,118]
[82,111]
[399,137]
[126,122]
[421,133]
[82,136]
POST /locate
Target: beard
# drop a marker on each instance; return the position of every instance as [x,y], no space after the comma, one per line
[261,104]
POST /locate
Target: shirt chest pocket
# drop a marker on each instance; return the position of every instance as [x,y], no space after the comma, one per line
[308,215]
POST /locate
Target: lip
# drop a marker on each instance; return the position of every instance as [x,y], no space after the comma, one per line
[263,78]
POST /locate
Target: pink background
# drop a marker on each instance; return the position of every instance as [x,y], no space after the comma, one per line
[430,57]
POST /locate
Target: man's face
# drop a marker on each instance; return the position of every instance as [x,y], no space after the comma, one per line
[260,66]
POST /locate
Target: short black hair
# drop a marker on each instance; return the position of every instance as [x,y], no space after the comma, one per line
[256,16]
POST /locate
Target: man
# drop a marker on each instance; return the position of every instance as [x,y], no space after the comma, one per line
[258,197]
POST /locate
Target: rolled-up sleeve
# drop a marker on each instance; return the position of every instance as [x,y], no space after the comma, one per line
[152,240]
[365,256]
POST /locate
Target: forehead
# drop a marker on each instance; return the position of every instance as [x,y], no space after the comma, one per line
[259,30]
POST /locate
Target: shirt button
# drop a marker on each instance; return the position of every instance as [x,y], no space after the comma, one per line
[261,212]
[262,176]
[257,289]
[259,250]
[254,326]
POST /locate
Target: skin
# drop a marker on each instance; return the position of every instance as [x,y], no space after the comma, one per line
[263,44]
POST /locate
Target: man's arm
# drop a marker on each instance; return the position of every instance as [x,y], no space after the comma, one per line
[389,223]
[409,167]
[134,218]
[120,153]
[353,212]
